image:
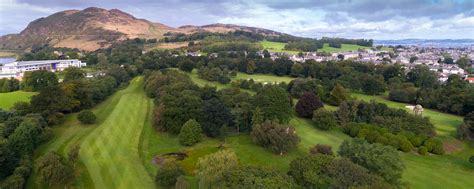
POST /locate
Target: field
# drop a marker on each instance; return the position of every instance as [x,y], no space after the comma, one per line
[279,47]
[276,47]
[109,156]
[7,54]
[449,171]
[117,152]
[8,99]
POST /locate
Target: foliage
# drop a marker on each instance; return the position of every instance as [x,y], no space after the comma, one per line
[378,159]
[186,65]
[321,149]
[324,119]
[168,174]
[9,85]
[346,174]
[307,104]
[53,170]
[373,84]
[256,177]
[338,95]
[310,171]
[278,138]
[211,168]
[38,80]
[86,117]
[274,103]
[73,74]
[216,115]
[190,133]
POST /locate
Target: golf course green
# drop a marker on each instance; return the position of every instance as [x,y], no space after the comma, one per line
[118,150]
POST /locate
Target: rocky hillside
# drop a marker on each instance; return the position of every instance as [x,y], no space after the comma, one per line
[89,29]
[94,28]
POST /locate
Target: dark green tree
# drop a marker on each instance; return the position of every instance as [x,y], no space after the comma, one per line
[307,104]
[274,103]
[190,133]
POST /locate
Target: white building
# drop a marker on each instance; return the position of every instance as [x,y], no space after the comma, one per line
[17,69]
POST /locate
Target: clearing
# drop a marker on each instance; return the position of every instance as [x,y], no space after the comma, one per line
[7,100]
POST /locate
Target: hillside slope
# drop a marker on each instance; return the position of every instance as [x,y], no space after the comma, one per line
[94,28]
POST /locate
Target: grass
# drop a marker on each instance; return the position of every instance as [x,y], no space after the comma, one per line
[7,100]
[451,170]
[109,155]
[447,171]
[279,47]
[7,54]
[117,152]
[276,47]
[344,48]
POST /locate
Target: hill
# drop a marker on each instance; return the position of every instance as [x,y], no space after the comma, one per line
[94,28]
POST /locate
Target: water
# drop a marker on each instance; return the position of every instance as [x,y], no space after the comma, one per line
[7,60]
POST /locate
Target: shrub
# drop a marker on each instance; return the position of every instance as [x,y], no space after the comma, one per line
[422,150]
[168,174]
[278,138]
[53,170]
[471,159]
[86,117]
[190,133]
[321,149]
[324,119]
[405,145]
[433,145]
[307,104]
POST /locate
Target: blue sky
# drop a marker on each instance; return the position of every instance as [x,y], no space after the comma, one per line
[376,19]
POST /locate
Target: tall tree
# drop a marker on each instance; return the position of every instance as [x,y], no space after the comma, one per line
[274,103]
[307,104]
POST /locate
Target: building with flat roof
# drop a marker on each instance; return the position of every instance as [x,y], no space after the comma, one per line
[18,68]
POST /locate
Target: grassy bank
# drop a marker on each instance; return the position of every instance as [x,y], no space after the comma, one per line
[7,100]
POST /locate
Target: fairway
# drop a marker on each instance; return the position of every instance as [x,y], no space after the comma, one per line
[110,153]
[7,100]
[280,47]
[450,170]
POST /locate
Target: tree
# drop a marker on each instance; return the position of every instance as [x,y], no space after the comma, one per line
[373,85]
[274,103]
[338,95]
[297,70]
[53,170]
[190,133]
[278,138]
[251,67]
[346,174]
[321,149]
[307,104]
[257,117]
[211,168]
[102,61]
[324,119]
[186,65]
[73,154]
[39,80]
[168,174]
[86,117]
[72,74]
[310,171]
[216,115]
[256,177]
[377,158]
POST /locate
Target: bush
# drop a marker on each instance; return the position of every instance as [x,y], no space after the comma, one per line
[471,159]
[434,145]
[324,119]
[86,117]
[405,145]
[53,170]
[168,174]
[190,133]
[307,104]
[422,150]
[321,149]
[278,138]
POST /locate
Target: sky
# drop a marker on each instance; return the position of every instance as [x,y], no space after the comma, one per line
[374,19]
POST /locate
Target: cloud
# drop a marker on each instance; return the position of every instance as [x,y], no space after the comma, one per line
[388,19]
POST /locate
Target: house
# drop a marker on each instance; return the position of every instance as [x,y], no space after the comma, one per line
[470,80]
[18,68]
